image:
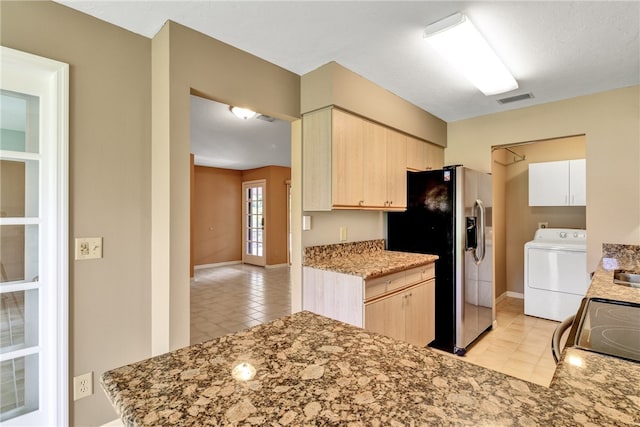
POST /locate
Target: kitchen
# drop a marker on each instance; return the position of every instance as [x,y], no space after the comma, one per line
[613,158]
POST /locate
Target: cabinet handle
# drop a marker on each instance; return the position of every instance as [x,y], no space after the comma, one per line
[361,202]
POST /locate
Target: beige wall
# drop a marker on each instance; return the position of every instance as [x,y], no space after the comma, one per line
[521,220]
[332,84]
[109,185]
[217,215]
[610,122]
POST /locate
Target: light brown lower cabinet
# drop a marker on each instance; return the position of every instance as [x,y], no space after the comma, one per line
[407,315]
[399,305]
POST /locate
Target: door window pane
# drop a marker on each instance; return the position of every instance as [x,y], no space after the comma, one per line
[18,122]
[18,253]
[18,188]
[18,320]
[19,386]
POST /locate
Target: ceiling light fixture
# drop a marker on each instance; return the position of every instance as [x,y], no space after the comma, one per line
[457,40]
[242,113]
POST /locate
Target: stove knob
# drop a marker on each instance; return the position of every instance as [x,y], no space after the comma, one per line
[563,235]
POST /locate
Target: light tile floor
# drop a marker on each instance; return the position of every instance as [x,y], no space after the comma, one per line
[232,298]
[519,345]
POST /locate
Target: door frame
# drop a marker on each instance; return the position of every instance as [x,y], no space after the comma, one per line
[251,259]
[22,72]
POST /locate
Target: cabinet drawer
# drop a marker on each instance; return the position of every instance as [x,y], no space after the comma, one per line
[383,284]
[414,276]
[428,271]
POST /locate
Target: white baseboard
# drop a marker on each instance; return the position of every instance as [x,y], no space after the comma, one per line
[276,265]
[218,264]
[114,423]
[510,294]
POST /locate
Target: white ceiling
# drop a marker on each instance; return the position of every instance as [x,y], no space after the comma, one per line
[555,50]
[220,139]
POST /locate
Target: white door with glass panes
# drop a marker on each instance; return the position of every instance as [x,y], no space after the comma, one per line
[33,240]
[253,222]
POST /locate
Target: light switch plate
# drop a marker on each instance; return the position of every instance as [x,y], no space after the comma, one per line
[88,247]
[306,222]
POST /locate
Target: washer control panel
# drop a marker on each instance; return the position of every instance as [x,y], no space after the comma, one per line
[561,234]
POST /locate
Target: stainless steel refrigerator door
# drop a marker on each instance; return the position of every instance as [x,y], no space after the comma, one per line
[474,302]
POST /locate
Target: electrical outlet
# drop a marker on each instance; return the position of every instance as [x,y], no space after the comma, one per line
[83,386]
[343,234]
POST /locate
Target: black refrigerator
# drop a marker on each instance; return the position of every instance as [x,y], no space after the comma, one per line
[449,214]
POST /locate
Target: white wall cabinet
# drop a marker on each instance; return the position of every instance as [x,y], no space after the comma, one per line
[399,305]
[560,183]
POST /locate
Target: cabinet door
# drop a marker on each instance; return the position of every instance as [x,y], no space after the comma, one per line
[374,165]
[577,182]
[549,183]
[416,154]
[347,159]
[386,316]
[396,163]
[316,160]
[434,155]
[420,314]
[374,316]
[394,319]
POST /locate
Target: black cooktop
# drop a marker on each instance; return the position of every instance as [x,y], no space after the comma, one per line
[608,327]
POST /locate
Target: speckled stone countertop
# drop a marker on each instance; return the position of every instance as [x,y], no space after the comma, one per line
[311,370]
[367,259]
[615,257]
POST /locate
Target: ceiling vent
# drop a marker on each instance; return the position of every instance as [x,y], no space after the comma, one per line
[515,98]
[265,118]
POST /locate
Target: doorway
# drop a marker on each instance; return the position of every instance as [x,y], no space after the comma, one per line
[240,219]
[253,222]
[515,222]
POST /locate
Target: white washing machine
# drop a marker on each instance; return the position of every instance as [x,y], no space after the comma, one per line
[555,273]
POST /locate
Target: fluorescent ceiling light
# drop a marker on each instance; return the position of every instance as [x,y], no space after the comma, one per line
[242,113]
[460,43]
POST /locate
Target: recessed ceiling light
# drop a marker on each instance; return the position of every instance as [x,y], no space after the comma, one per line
[242,113]
[458,41]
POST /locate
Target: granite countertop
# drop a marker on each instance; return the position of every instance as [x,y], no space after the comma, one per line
[623,257]
[312,370]
[366,259]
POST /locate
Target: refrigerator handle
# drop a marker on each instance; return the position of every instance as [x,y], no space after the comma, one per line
[478,254]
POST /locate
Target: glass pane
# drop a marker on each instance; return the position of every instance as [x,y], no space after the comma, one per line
[19,386]
[18,253]
[259,245]
[18,188]
[18,320]
[19,122]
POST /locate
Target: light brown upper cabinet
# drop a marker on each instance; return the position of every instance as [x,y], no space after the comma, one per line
[423,156]
[351,163]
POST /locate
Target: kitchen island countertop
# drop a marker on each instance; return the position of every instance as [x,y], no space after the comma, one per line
[312,370]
